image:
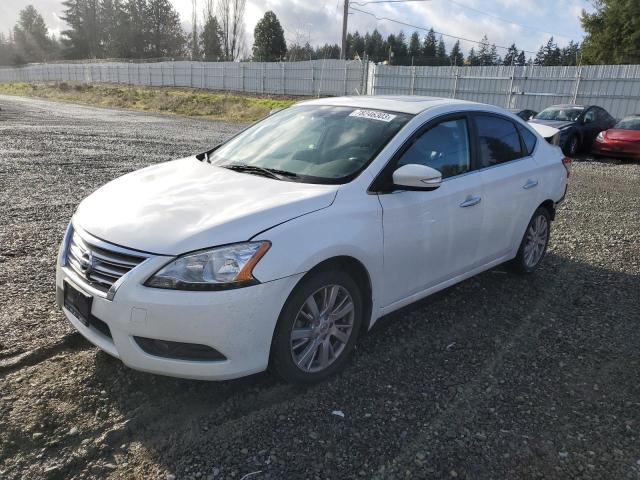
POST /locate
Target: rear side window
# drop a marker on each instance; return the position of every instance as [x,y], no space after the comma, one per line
[499,140]
[528,138]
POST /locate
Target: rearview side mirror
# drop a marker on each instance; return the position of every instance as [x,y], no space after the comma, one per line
[417,177]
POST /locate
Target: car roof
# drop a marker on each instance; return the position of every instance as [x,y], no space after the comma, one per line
[395,103]
[569,105]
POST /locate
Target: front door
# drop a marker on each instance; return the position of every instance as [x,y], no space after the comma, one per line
[432,236]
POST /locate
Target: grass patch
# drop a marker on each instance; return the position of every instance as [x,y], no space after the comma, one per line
[179,101]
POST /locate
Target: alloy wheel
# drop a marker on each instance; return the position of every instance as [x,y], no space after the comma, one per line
[536,241]
[322,328]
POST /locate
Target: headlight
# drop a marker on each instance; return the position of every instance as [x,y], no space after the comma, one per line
[219,268]
[600,137]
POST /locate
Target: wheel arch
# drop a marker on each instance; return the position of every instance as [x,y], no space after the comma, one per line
[550,206]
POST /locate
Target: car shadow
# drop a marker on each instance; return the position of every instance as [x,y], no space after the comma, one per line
[447,352]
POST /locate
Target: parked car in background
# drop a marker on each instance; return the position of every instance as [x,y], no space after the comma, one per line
[525,114]
[285,243]
[622,140]
[578,125]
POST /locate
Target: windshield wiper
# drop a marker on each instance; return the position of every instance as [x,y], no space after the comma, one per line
[267,172]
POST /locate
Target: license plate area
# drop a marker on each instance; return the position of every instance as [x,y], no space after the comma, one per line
[77,302]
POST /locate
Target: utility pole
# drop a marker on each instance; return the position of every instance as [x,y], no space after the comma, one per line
[345,16]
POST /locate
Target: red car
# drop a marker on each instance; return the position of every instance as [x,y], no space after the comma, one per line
[622,140]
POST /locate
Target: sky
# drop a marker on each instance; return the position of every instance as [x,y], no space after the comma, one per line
[528,23]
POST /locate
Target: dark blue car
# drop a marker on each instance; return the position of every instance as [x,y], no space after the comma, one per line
[579,125]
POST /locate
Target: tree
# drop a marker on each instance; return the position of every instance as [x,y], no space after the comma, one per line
[512,54]
[31,36]
[570,55]
[113,33]
[269,44]
[487,54]
[296,53]
[548,55]
[414,47]
[521,61]
[441,53]
[136,27]
[231,18]
[166,38]
[211,39]
[613,32]
[456,57]
[472,58]
[429,48]
[195,40]
[355,45]
[82,39]
[375,46]
[328,51]
[8,51]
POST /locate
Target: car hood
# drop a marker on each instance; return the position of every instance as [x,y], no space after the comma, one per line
[184,205]
[559,124]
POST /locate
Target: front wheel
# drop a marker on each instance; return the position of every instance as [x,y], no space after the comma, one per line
[572,146]
[317,328]
[534,243]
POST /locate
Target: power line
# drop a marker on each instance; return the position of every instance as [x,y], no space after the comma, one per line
[528,27]
[417,27]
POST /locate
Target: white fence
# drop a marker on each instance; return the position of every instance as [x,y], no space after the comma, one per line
[614,87]
[310,78]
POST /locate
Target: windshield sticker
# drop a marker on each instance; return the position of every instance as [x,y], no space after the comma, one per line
[373,115]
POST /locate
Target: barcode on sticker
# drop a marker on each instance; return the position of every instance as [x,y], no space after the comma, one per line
[373,115]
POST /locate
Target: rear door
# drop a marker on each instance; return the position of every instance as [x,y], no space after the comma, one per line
[432,236]
[510,178]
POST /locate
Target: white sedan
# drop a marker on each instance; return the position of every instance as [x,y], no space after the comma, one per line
[282,245]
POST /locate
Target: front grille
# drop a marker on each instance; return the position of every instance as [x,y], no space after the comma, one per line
[98,263]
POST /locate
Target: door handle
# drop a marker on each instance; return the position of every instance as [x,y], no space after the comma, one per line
[530,184]
[471,201]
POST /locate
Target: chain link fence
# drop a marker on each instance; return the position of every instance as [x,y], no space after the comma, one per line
[613,87]
[309,78]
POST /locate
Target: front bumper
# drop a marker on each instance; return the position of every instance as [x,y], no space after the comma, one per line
[617,149]
[238,323]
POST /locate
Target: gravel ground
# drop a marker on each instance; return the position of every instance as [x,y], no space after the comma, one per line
[502,376]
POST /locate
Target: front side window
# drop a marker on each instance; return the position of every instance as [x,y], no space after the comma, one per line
[590,116]
[444,147]
[312,143]
[499,140]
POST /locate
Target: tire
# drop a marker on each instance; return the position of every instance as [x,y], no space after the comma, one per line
[312,332]
[572,146]
[526,260]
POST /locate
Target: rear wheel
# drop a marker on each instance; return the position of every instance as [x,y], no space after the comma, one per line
[317,328]
[534,243]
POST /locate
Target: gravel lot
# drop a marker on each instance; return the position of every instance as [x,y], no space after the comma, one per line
[501,376]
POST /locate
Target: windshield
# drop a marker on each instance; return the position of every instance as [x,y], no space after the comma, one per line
[315,144]
[629,123]
[566,114]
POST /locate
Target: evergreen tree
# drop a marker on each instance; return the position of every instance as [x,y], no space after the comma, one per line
[82,39]
[269,44]
[456,57]
[355,45]
[472,58]
[441,53]
[414,47]
[328,51]
[521,61]
[211,39]
[136,27]
[297,53]
[613,32]
[548,54]
[166,38]
[484,52]
[112,33]
[32,36]
[429,48]
[512,54]
[570,55]
[375,46]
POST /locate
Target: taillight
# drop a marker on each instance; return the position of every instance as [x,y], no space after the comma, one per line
[566,162]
